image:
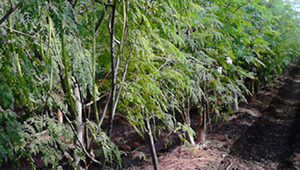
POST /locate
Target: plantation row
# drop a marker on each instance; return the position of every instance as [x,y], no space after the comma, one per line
[67,67]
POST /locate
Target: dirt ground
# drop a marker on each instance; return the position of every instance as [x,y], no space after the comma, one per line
[261,135]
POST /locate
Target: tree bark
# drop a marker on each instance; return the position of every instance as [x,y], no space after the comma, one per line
[78,125]
[235,105]
[189,136]
[202,123]
[59,116]
[114,67]
[114,72]
[152,145]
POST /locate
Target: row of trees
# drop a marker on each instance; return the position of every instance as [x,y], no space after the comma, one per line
[150,60]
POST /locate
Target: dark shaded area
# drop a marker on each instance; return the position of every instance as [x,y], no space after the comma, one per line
[274,137]
[136,149]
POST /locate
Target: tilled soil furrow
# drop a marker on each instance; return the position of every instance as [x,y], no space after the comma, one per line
[271,141]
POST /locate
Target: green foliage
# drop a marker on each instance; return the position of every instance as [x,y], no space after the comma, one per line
[169,54]
[50,143]
[181,45]
[10,139]
[110,150]
[105,144]
[6,97]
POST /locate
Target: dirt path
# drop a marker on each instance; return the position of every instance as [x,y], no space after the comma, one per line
[270,142]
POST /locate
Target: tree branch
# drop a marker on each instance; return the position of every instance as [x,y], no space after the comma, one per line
[74,4]
[113,79]
[117,41]
[79,142]
[123,79]
[160,67]
[11,10]
[100,22]
[39,40]
[11,4]
[237,9]
[106,4]
[74,131]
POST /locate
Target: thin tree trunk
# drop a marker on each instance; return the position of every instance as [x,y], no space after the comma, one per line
[186,112]
[256,87]
[202,123]
[235,105]
[152,145]
[114,72]
[67,89]
[202,112]
[252,91]
[78,125]
[114,66]
[59,116]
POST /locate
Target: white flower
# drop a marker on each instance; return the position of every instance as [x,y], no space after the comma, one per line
[220,70]
[228,60]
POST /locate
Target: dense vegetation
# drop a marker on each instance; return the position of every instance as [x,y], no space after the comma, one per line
[149,60]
